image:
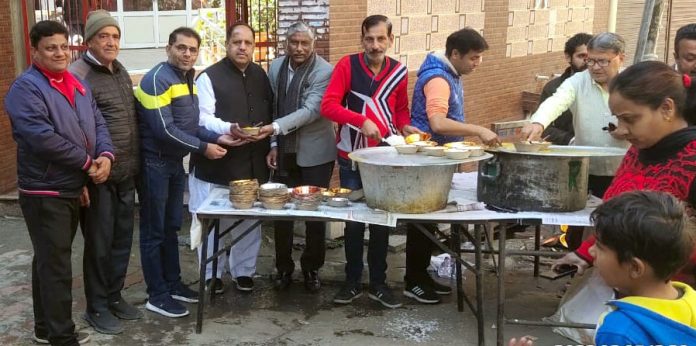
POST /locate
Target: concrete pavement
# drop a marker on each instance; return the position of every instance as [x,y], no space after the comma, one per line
[267,317]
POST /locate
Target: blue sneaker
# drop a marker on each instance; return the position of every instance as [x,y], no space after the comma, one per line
[166,306]
[184,294]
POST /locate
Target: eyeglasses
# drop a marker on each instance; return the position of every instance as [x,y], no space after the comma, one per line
[600,62]
[182,48]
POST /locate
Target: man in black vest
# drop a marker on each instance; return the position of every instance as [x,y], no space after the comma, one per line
[233,93]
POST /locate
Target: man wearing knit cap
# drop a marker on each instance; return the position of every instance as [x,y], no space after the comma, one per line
[107,224]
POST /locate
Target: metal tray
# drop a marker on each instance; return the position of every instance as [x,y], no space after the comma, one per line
[388,156]
[567,151]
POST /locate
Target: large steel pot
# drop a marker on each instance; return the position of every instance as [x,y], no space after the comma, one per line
[409,184]
[550,181]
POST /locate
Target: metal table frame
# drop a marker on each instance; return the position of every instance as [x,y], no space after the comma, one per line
[211,221]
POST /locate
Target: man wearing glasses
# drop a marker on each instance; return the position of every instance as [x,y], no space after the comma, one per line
[586,95]
[167,110]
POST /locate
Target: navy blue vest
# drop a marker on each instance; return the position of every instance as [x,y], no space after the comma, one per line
[434,67]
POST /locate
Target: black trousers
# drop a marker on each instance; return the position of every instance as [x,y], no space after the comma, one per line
[52,223]
[315,248]
[419,248]
[107,226]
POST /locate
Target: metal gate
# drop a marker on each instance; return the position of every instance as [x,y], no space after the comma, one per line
[71,13]
[262,15]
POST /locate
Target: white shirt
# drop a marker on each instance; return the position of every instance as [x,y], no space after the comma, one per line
[589,103]
[206,105]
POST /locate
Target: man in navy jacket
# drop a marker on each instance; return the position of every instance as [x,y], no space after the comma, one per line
[62,141]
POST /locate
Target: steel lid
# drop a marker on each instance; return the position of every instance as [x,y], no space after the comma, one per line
[566,151]
[388,156]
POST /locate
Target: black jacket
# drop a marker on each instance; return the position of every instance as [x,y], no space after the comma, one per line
[113,92]
[560,131]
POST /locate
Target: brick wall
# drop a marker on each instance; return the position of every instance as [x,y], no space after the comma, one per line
[8,154]
[345,17]
[313,12]
[493,92]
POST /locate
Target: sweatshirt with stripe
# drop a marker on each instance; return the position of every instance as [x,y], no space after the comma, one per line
[168,114]
[355,94]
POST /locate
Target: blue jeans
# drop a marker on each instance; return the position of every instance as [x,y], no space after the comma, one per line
[354,233]
[161,208]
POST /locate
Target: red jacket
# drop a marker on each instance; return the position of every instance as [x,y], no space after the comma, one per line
[355,94]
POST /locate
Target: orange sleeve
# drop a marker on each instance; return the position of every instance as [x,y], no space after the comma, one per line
[437,93]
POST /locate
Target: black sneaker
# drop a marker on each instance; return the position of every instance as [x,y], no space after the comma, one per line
[103,322]
[311,280]
[245,283]
[217,284]
[125,311]
[184,294]
[347,294]
[421,293]
[439,288]
[384,295]
[82,338]
[166,306]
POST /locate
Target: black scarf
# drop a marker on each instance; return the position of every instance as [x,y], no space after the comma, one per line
[287,102]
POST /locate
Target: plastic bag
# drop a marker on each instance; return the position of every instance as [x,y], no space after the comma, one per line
[584,302]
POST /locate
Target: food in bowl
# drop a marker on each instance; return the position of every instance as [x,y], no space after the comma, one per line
[395,140]
[457,154]
[251,130]
[434,151]
[424,144]
[460,144]
[417,137]
[475,151]
[340,191]
[531,146]
[406,149]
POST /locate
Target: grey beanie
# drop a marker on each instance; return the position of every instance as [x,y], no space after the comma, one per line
[96,20]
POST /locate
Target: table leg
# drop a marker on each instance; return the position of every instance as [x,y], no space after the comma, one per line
[205,227]
[456,246]
[500,321]
[479,284]
[537,247]
[216,245]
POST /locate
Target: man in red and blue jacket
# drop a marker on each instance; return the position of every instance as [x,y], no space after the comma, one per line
[62,141]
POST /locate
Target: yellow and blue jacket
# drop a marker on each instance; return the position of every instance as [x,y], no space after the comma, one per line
[168,114]
[650,321]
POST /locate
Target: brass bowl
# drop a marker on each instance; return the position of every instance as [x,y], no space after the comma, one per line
[340,191]
[251,130]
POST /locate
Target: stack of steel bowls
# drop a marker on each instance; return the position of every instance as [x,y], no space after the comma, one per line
[307,197]
[243,193]
[274,195]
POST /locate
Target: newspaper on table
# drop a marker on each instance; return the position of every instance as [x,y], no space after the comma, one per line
[463,206]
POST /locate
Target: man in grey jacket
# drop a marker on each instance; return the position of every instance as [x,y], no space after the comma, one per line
[303,147]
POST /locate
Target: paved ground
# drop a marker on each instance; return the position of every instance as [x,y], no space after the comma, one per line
[267,317]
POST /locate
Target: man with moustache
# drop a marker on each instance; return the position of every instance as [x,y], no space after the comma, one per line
[62,142]
[560,131]
[168,117]
[367,96]
[303,150]
[107,224]
[234,93]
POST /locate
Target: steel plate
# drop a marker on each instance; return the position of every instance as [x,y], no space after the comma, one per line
[567,151]
[388,156]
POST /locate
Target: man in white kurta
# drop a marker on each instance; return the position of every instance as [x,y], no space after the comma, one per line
[586,95]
